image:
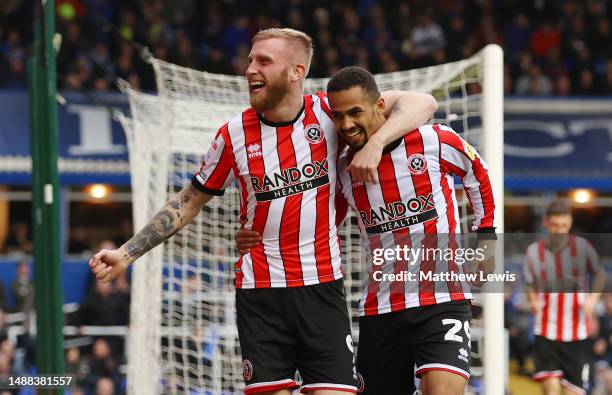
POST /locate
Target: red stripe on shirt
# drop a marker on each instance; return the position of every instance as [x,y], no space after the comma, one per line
[455,290]
[391,194]
[324,106]
[252,135]
[544,323]
[289,229]
[243,207]
[362,202]
[575,302]
[560,297]
[422,186]
[318,152]
[226,163]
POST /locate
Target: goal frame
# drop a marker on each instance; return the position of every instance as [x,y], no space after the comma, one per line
[145,332]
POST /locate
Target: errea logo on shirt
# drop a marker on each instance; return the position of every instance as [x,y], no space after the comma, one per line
[254,150]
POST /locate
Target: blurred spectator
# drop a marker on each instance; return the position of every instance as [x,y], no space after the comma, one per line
[22,288]
[606,83]
[76,366]
[4,305]
[575,38]
[545,38]
[600,42]
[74,391]
[457,37]
[103,307]
[487,33]
[586,83]
[562,37]
[7,348]
[604,386]
[101,364]
[604,336]
[5,365]
[426,37]
[126,230]
[516,319]
[236,34]
[19,239]
[563,85]
[79,241]
[517,36]
[534,83]
[3,327]
[105,386]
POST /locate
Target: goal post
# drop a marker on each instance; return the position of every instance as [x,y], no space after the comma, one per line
[492,141]
[183,336]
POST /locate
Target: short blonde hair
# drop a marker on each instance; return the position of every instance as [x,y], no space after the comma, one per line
[295,36]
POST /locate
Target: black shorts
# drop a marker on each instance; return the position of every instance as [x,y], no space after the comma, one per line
[396,347]
[305,329]
[567,360]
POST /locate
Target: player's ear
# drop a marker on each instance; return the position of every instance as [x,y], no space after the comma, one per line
[380,104]
[299,72]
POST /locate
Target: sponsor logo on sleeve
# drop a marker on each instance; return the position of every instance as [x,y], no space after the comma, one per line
[469,150]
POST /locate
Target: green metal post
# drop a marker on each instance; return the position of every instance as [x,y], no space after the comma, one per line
[45,196]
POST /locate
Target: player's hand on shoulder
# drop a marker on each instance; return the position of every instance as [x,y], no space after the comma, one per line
[364,166]
[106,265]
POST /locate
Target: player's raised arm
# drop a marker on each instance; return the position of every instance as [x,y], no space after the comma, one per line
[172,217]
[458,157]
[405,111]
[211,180]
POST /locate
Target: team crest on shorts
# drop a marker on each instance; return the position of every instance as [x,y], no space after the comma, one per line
[417,164]
[313,133]
[247,370]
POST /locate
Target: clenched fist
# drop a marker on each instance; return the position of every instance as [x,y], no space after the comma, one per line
[108,264]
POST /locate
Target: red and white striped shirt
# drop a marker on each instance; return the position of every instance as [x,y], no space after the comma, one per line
[286,175]
[414,204]
[560,315]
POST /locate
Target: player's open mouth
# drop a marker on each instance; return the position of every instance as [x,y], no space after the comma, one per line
[256,86]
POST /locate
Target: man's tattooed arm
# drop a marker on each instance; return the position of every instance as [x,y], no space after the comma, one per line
[173,216]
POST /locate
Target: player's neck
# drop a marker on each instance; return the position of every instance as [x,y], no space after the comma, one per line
[557,242]
[378,122]
[285,111]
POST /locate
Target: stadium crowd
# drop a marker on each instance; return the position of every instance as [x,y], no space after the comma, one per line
[551,47]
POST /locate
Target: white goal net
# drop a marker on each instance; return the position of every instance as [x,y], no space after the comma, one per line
[183,337]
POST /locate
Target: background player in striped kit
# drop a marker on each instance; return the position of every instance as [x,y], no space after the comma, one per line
[282,152]
[420,323]
[557,271]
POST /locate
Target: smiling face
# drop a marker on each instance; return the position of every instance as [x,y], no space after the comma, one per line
[356,115]
[269,74]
